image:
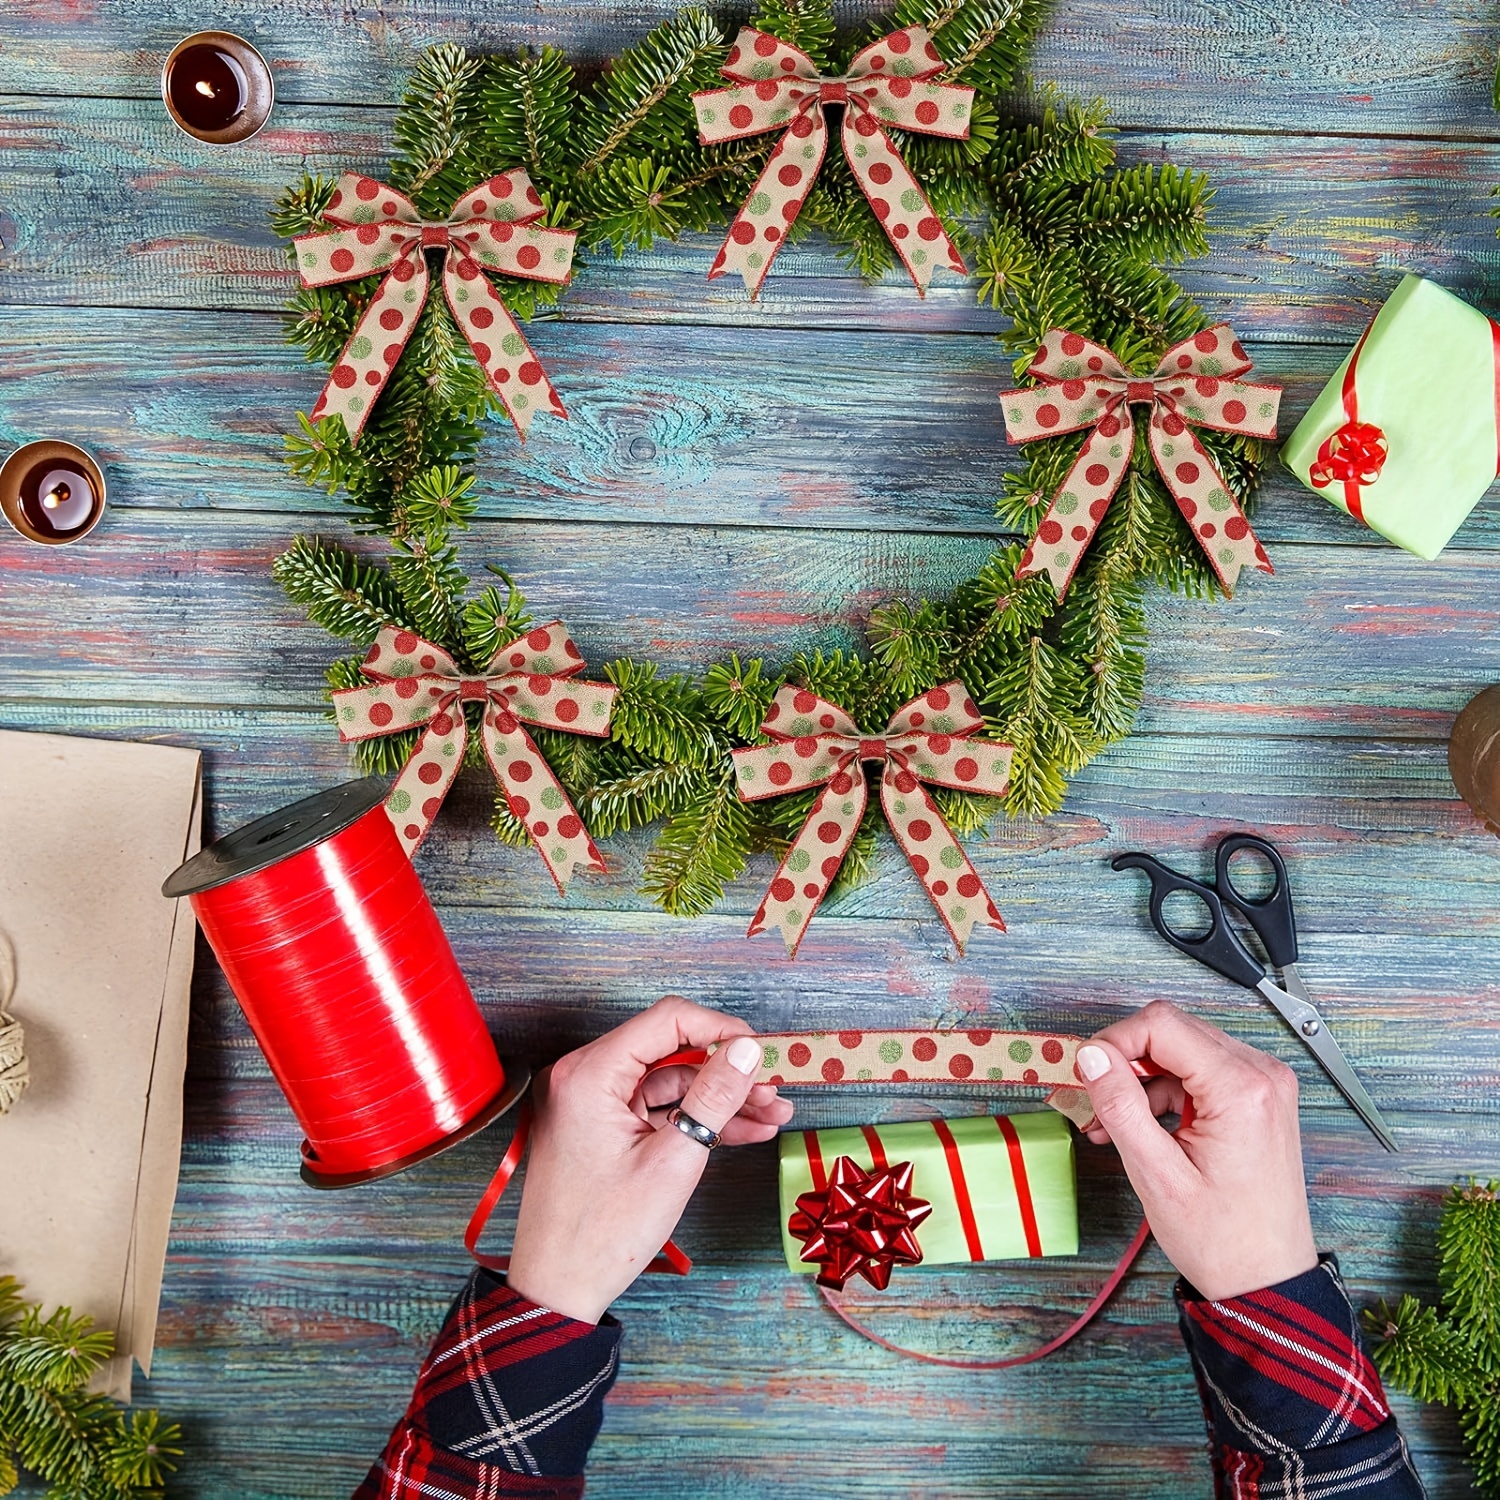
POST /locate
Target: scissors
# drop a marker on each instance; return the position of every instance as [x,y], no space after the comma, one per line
[1222,949]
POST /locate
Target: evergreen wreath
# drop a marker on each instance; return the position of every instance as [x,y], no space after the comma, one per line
[80,1445]
[1452,1355]
[1058,235]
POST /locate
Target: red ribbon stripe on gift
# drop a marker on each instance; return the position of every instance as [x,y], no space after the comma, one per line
[816,743]
[1083,385]
[529,681]
[777,86]
[492,227]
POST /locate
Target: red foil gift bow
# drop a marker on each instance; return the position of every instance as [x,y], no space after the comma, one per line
[1084,385]
[890,82]
[529,681]
[973,1055]
[859,1223]
[815,743]
[493,227]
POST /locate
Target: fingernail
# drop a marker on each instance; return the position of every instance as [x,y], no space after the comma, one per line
[1093,1062]
[745,1055]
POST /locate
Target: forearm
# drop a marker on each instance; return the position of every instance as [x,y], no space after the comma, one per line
[1293,1402]
[507,1403]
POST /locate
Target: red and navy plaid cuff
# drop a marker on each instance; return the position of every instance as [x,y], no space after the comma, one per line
[1295,1408]
[508,1402]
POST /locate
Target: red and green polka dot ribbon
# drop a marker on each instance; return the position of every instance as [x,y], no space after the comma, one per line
[529,681]
[1084,385]
[493,227]
[815,743]
[1044,1059]
[777,86]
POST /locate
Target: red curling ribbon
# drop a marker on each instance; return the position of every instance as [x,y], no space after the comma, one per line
[352,990]
[1355,454]
[966,1219]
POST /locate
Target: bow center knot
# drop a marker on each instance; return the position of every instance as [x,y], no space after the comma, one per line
[435,236]
[872,750]
[1355,454]
[473,690]
[1140,392]
[833,91]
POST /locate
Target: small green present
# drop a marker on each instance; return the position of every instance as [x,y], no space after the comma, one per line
[1000,1187]
[1404,437]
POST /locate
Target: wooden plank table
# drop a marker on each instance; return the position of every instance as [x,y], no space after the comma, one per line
[760,478]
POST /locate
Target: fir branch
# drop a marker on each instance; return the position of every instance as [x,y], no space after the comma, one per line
[345,596]
[700,850]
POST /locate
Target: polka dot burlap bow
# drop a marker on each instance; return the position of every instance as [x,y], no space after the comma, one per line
[776,85]
[817,744]
[1084,385]
[492,228]
[529,681]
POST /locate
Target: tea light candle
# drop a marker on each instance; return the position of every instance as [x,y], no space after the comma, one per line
[217,87]
[51,492]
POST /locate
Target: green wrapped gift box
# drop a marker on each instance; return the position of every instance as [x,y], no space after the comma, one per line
[1404,437]
[1001,1187]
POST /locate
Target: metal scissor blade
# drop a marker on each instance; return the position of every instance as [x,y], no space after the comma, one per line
[1291,981]
[1302,1016]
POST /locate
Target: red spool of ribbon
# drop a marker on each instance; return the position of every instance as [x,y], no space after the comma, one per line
[348,982]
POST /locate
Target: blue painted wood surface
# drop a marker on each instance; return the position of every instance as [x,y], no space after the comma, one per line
[761,477]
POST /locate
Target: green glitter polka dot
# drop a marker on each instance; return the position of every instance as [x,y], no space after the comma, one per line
[359,348]
[1020,1052]
[763,70]
[904,67]
[890,1050]
[847,809]
[356,403]
[1066,503]
[951,858]
[559,854]
[755,260]
[769,1056]
[760,203]
[513,344]
[798,861]
[552,797]
[911,200]
[996,1073]
[1069,369]
[346,714]
[957,914]
[398,801]
[865,1074]
[1218,500]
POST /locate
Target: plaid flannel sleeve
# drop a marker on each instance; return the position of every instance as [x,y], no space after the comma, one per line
[507,1403]
[1295,1408]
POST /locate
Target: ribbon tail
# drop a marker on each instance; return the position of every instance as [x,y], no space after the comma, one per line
[1079,506]
[414,799]
[802,881]
[951,882]
[510,367]
[1207,503]
[916,232]
[760,227]
[537,798]
[361,371]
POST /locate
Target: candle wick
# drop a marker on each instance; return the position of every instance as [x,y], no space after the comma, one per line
[55,497]
[205,88]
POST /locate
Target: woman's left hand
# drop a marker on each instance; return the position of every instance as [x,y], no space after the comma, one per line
[607,1180]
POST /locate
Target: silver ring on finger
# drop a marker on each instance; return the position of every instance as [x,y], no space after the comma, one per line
[693,1129]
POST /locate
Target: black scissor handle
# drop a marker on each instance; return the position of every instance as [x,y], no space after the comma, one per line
[1218,948]
[1270,915]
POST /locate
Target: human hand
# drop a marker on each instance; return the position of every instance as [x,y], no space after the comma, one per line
[607,1180]
[1224,1195]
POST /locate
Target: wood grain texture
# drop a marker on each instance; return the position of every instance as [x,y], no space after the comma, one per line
[699,425]
[761,478]
[1376,67]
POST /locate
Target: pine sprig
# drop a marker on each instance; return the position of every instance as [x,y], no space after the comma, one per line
[81,1446]
[1451,1354]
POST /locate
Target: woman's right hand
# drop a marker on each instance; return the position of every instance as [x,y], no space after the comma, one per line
[1224,1195]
